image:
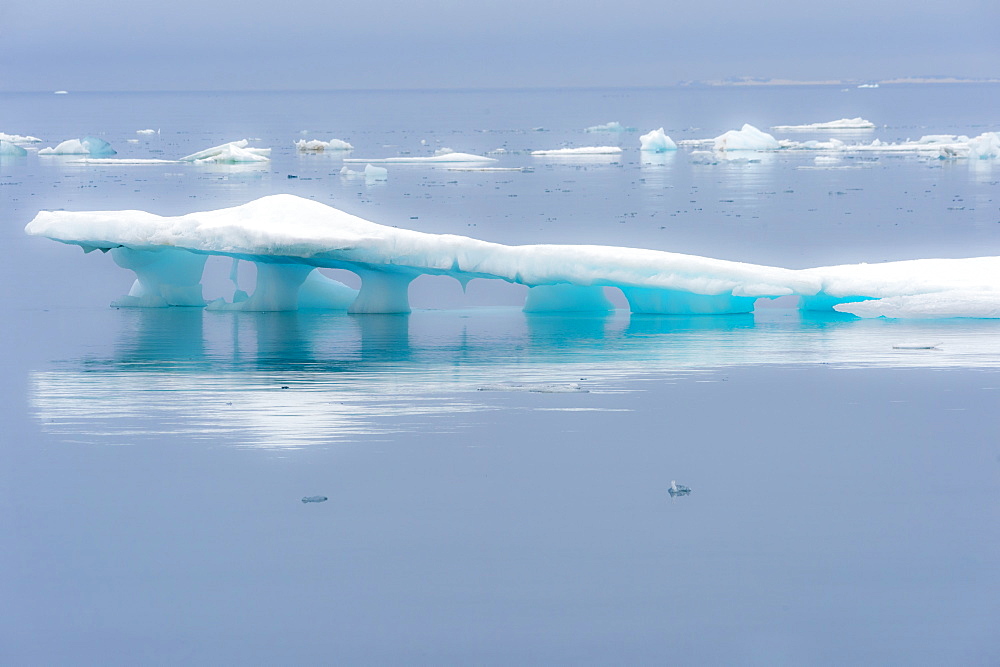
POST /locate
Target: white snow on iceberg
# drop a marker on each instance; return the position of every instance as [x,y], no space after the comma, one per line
[747,138]
[842,124]
[234,152]
[318,146]
[288,237]
[657,141]
[583,150]
[433,159]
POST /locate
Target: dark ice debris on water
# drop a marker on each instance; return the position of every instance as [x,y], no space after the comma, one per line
[678,489]
[315,499]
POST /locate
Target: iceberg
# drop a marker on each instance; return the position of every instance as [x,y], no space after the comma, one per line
[433,159]
[657,141]
[234,152]
[289,237]
[91,146]
[583,150]
[10,149]
[842,124]
[678,489]
[147,131]
[981,304]
[318,146]
[19,138]
[984,147]
[748,138]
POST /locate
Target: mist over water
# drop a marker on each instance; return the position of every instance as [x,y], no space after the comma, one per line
[497,481]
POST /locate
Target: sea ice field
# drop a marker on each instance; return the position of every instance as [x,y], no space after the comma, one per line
[408,387]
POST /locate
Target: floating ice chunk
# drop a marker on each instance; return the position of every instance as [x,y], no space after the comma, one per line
[984,147]
[87,146]
[826,159]
[10,149]
[434,159]
[842,124]
[657,142]
[19,138]
[613,126]
[444,151]
[373,173]
[868,85]
[234,152]
[61,92]
[317,146]
[315,499]
[748,138]
[147,131]
[678,489]
[115,160]
[583,150]
[937,305]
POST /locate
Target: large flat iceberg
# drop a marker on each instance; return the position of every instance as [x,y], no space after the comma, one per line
[288,237]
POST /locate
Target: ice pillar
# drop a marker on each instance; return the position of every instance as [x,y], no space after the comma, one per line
[164,277]
[382,292]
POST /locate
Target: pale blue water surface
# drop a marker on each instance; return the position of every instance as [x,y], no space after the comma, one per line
[497,481]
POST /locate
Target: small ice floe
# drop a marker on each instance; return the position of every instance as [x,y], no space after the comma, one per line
[234,152]
[61,92]
[613,126]
[315,499]
[317,146]
[678,489]
[657,141]
[19,138]
[916,346]
[91,146]
[537,387]
[583,150]
[147,131]
[432,159]
[370,173]
[747,138]
[842,124]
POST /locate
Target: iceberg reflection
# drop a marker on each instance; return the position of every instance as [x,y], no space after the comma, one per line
[298,378]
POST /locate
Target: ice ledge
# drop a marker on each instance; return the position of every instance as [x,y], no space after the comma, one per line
[288,237]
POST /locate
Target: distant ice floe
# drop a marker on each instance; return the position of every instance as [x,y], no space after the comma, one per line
[126,160]
[613,126]
[147,131]
[657,142]
[747,138]
[19,139]
[537,387]
[289,237]
[10,149]
[91,146]
[583,150]
[318,146]
[842,124]
[433,159]
[234,152]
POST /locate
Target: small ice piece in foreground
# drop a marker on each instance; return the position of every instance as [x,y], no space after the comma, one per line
[583,150]
[317,146]
[678,489]
[10,149]
[315,499]
[747,138]
[657,142]
[842,124]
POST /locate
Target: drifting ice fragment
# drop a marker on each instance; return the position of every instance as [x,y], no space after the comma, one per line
[449,157]
[373,173]
[915,346]
[583,150]
[234,152]
[19,138]
[985,146]
[10,149]
[537,387]
[657,141]
[748,138]
[147,131]
[613,126]
[678,489]
[317,146]
[315,499]
[91,146]
[842,124]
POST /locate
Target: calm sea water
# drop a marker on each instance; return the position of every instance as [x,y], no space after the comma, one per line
[497,482]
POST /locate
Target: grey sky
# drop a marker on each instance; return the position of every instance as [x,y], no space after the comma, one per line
[194,44]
